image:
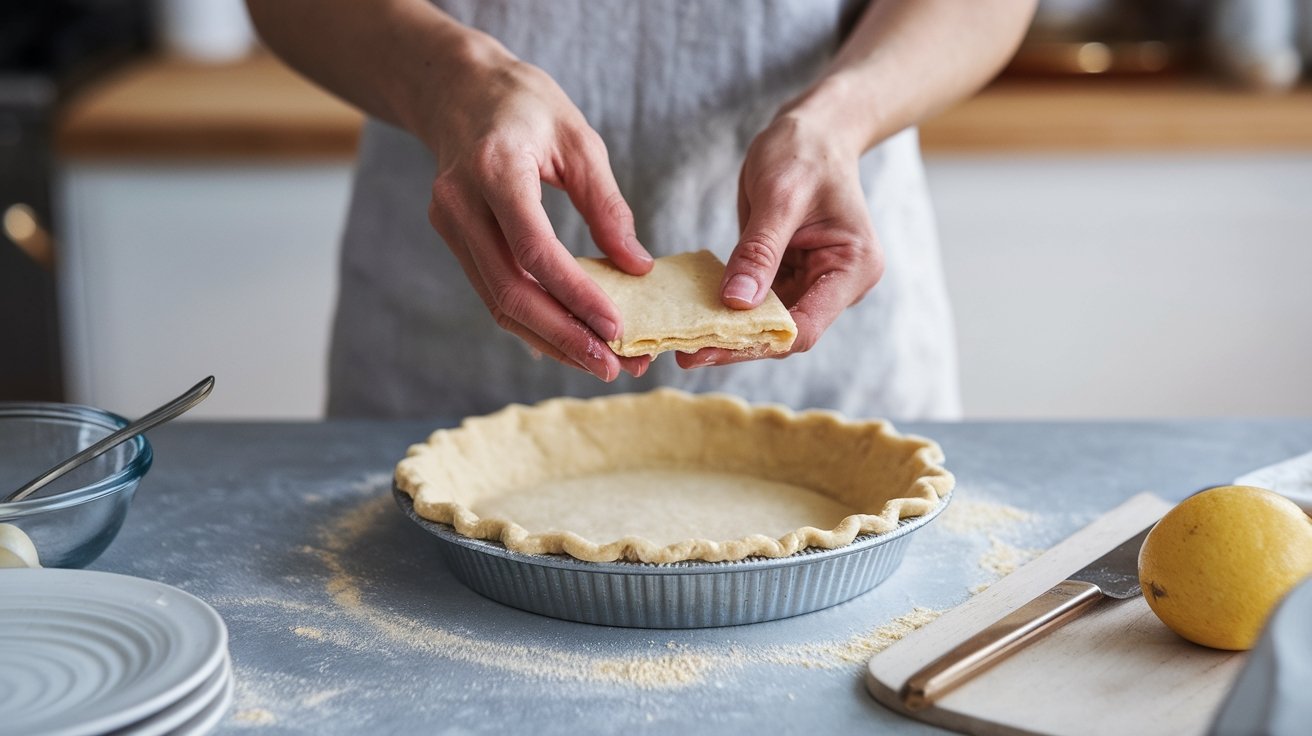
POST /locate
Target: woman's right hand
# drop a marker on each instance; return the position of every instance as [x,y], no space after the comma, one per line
[498,132]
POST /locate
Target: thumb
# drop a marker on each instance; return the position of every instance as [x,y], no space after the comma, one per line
[755,260]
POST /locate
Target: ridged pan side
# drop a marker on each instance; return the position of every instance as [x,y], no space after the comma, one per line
[677,601]
[674,596]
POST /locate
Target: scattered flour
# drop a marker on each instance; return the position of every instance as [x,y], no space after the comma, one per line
[254,717]
[353,622]
[671,670]
[966,515]
[644,671]
[1002,558]
[314,700]
[978,517]
[285,604]
[310,632]
[261,697]
[856,650]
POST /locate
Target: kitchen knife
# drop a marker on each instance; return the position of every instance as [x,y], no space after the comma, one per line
[1114,575]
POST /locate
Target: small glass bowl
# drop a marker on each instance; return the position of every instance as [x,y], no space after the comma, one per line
[72,520]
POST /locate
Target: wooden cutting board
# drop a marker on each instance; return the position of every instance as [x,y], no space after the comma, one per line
[1116,669]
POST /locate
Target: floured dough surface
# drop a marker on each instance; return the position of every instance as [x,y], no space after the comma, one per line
[676,306]
[667,476]
[666,506]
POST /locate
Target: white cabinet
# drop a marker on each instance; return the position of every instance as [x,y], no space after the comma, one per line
[1130,285]
[173,271]
[1109,286]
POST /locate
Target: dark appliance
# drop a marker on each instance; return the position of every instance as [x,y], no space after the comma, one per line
[48,48]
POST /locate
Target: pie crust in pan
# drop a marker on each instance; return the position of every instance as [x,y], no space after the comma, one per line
[668,461]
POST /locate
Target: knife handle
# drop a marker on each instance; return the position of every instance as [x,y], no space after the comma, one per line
[1061,603]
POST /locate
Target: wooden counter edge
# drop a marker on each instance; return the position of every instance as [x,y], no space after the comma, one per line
[1108,116]
[163,108]
[166,108]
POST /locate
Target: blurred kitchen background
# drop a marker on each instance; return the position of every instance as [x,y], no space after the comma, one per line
[1126,214]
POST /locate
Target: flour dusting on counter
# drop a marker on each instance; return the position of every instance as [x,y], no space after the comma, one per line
[355,620]
[966,515]
[1002,557]
[662,670]
[977,518]
[254,717]
[856,650]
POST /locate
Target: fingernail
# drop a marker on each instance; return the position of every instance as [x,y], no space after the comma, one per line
[740,288]
[699,361]
[604,328]
[595,361]
[636,248]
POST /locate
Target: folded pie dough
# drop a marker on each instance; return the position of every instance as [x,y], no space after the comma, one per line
[676,306]
[667,476]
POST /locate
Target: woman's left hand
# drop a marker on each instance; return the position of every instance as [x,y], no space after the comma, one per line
[806,232]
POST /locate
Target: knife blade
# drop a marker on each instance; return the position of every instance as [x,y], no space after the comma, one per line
[1113,575]
[1116,573]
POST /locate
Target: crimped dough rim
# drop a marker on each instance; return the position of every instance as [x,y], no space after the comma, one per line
[894,476]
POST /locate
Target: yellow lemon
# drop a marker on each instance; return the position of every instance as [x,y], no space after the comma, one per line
[1216,564]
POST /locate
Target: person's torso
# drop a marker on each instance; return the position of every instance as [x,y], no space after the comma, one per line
[677,90]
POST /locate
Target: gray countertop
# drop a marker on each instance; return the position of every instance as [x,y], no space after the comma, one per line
[343,618]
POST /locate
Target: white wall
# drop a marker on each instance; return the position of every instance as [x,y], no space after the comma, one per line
[1130,285]
[173,272]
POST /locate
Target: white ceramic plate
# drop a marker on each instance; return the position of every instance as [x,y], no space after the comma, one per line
[88,652]
[191,706]
[205,721]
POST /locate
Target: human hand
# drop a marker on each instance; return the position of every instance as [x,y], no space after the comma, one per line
[498,133]
[806,232]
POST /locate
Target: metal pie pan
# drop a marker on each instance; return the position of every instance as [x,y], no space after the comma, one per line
[678,595]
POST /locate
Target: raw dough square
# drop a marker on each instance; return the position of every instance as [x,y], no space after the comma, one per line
[677,307]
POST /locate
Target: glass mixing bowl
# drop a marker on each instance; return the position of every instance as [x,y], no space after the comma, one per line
[72,520]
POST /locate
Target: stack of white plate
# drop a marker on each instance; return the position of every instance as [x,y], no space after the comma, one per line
[85,652]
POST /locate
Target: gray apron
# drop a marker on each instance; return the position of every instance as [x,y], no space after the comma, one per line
[677,90]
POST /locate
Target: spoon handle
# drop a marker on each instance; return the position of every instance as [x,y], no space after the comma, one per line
[193,396]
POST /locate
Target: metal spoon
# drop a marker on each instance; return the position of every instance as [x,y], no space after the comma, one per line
[192,397]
